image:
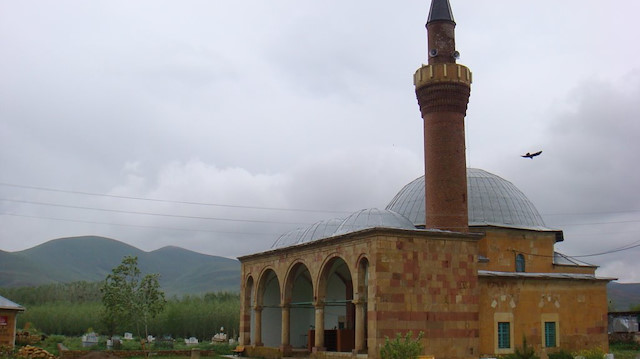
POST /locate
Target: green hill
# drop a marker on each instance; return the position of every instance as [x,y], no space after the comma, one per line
[91,258]
[623,296]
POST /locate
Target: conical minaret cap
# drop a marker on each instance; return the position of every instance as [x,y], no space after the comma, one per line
[440,11]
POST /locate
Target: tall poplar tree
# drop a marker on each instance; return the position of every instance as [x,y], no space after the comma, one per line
[129,301]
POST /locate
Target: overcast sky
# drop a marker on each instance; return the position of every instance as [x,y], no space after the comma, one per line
[277,114]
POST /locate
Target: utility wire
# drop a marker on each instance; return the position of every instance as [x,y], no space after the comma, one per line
[134,225]
[146,213]
[169,201]
[625,247]
[229,219]
[259,207]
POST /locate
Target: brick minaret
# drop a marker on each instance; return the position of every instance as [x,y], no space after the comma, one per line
[442,89]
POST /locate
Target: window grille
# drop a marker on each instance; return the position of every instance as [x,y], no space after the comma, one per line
[504,340]
[549,334]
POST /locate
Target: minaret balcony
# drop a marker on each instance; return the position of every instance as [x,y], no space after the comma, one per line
[443,72]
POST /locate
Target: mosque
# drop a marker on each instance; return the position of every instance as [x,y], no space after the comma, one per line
[458,254]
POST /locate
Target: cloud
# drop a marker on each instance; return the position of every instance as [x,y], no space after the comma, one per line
[306,106]
[583,182]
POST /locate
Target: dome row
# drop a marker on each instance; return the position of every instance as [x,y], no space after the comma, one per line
[493,201]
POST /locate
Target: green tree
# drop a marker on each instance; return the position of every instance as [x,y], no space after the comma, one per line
[151,300]
[129,301]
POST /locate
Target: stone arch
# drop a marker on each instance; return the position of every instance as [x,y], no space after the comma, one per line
[361,291]
[298,299]
[268,312]
[325,270]
[334,299]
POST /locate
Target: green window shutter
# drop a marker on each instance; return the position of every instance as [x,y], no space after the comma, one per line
[504,340]
[549,334]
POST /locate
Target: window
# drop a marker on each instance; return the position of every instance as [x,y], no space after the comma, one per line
[504,335]
[519,263]
[549,334]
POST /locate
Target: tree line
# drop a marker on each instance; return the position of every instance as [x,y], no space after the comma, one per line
[72,309]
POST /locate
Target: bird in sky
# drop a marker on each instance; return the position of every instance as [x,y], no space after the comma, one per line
[532,155]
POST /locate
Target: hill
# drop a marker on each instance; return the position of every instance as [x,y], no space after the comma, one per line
[622,296]
[91,258]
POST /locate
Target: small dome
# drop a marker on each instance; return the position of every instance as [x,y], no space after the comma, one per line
[322,229]
[318,230]
[289,238]
[371,218]
[492,201]
[366,218]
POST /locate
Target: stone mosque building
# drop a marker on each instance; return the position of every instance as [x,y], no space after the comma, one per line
[459,254]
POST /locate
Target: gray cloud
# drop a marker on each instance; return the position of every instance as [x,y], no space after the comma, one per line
[307,106]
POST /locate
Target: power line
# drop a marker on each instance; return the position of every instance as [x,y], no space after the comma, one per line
[285,209]
[134,225]
[625,247]
[169,201]
[590,213]
[597,223]
[607,252]
[145,213]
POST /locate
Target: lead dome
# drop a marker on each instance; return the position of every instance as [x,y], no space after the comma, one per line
[493,201]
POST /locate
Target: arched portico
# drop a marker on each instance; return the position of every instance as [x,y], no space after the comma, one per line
[334,310]
[268,312]
[298,304]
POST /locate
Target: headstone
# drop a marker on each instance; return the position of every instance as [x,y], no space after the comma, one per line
[89,339]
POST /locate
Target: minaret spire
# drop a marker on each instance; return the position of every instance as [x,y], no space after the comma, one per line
[442,89]
[440,10]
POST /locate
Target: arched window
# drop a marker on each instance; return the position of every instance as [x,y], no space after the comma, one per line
[519,263]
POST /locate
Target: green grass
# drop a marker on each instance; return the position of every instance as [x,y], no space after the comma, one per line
[625,350]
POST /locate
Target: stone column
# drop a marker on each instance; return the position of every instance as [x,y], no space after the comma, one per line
[319,347]
[258,329]
[360,325]
[285,345]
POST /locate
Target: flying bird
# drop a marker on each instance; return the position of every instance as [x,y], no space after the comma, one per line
[532,155]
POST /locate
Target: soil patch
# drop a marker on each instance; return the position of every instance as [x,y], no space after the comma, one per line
[98,355]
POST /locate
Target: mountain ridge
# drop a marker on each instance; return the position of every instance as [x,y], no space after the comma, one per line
[91,259]
[182,271]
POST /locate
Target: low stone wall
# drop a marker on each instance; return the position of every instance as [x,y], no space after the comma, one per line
[262,352]
[193,353]
[624,337]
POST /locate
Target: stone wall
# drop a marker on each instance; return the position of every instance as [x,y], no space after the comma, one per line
[578,306]
[423,281]
[8,327]
[426,282]
[193,353]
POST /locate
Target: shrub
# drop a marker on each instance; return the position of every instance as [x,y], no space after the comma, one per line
[524,352]
[401,347]
[594,353]
[562,354]
[5,351]
[50,344]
